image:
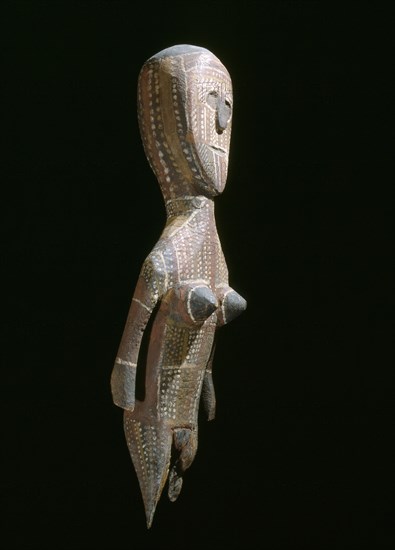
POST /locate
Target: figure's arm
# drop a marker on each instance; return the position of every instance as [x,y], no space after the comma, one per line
[208,391]
[147,293]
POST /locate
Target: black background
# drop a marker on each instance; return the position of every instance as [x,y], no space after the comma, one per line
[299,455]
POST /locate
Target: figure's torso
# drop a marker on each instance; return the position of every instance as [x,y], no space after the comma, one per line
[187,255]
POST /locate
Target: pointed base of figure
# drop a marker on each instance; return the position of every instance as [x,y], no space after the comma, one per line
[150,448]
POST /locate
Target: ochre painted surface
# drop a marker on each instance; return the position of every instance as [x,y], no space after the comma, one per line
[185,113]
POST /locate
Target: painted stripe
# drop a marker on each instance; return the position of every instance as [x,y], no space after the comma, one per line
[199,282]
[186,198]
[189,306]
[177,229]
[120,361]
[165,268]
[223,304]
[177,262]
[143,305]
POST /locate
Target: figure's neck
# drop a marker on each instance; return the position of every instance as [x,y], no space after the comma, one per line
[185,206]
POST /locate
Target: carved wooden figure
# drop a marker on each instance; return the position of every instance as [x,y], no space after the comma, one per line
[185,114]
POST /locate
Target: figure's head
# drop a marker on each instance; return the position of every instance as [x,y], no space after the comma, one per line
[185,112]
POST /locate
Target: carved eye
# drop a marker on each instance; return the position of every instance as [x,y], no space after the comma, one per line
[212,98]
[228,103]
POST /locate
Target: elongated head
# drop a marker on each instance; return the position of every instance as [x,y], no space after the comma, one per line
[185,113]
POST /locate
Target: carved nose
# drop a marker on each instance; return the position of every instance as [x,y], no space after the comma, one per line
[223,115]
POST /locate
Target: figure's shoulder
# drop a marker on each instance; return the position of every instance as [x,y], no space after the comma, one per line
[161,266]
[153,265]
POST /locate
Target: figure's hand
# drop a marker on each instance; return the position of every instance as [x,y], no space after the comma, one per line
[123,383]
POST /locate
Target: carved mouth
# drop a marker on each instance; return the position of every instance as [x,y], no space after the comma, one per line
[218,150]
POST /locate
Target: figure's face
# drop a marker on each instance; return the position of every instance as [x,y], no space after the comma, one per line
[185,115]
[210,116]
